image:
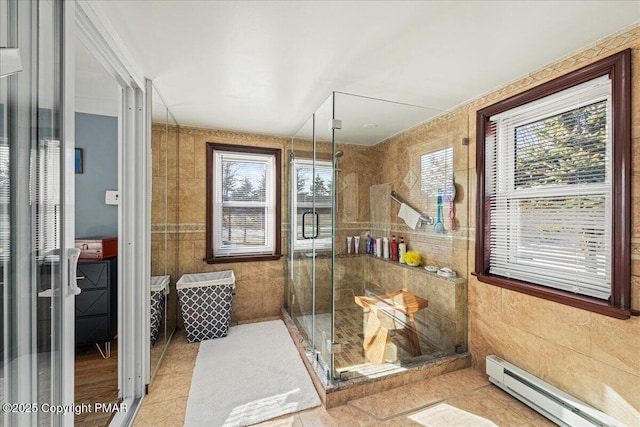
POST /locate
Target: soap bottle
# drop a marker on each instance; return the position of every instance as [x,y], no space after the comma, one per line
[394,248]
[402,249]
[385,247]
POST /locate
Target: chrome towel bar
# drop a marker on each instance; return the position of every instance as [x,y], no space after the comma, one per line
[427,219]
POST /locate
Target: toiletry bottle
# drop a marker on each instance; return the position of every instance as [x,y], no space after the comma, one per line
[356,242]
[378,247]
[367,245]
[402,249]
[374,249]
[394,248]
[385,248]
[349,239]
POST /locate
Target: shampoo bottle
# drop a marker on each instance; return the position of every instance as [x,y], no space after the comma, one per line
[394,248]
[402,249]
[385,247]
[378,246]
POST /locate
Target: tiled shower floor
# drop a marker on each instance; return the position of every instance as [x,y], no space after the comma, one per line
[458,399]
[350,362]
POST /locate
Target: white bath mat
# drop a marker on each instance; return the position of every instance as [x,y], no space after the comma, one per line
[253,374]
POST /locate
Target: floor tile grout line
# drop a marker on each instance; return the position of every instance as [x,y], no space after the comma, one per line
[419,408]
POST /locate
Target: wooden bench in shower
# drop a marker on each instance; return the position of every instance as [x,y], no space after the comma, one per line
[391,312]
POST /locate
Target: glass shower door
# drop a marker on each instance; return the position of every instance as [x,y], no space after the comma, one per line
[302,248]
[310,243]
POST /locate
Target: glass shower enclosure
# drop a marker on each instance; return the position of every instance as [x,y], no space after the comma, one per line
[344,163]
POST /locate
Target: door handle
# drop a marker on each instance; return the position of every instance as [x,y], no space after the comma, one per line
[304,215]
[74,254]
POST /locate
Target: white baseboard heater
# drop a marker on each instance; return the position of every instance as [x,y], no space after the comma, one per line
[553,403]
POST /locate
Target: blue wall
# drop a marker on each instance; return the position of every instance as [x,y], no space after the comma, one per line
[98,137]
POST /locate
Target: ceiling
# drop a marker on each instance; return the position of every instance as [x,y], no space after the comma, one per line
[266,66]
[96,91]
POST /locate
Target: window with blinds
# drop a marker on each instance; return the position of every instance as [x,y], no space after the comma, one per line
[436,169]
[553,215]
[312,195]
[46,197]
[244,206]
[549,189]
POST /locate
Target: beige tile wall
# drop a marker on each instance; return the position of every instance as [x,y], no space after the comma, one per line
[402,154]
[259,285]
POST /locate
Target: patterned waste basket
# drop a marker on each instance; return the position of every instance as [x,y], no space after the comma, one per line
[205,303]
[159,289]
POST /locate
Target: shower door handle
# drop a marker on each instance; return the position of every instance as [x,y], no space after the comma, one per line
[304,227]
[316,230]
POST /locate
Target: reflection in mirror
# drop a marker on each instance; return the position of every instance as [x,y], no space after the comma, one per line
[98,349]
[163,216]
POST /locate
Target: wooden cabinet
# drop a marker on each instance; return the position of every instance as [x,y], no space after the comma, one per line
[97,304]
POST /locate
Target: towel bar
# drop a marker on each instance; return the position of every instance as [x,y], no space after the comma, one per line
[427,219]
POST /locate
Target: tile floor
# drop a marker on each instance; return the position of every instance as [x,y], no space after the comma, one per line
[461,398]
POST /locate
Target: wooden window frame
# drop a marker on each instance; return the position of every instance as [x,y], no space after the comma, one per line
[618,67]
[210,256]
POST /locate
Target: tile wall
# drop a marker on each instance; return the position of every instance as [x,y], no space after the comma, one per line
[259,285]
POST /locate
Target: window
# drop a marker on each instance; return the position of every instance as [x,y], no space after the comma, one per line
[243,203]
[553,166]
[436,169]
[310,188]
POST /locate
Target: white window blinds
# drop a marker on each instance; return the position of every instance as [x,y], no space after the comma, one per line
[46,197]
[548,190]
[244,207]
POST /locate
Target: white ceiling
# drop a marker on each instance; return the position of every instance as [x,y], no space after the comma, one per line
[266,66]
[96,91]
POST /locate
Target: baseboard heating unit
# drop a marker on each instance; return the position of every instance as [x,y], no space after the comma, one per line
[558,406]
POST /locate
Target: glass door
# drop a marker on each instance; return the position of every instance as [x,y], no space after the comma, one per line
[32,219]
[311,181]
[301,242]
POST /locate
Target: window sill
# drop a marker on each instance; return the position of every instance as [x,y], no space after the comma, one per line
[579,301]
[243,258]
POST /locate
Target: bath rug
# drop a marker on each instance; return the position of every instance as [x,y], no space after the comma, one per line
[253,374]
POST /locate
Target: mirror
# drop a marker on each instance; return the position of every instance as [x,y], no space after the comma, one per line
[164,133]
